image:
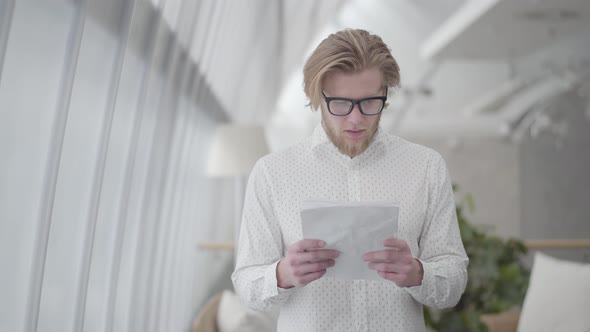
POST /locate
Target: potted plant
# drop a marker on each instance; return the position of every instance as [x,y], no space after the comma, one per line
[497,279]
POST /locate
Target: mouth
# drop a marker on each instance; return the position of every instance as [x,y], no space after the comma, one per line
[355,133]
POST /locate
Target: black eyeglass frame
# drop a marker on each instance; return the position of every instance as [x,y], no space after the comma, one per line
[354,102]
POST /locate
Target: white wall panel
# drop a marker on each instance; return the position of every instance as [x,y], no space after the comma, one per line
[6,14]
[75,190]
[104,120]
[29,93]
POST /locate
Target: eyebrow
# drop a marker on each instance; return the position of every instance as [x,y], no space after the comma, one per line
[375,95]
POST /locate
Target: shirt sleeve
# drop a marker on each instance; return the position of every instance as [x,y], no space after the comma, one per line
[260,246]
[442,253]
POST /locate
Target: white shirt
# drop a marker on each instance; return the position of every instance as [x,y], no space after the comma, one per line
[391,169]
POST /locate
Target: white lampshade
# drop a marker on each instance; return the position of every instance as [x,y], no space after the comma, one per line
[235,149]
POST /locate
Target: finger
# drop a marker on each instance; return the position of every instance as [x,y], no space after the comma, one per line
[302,245]
[297,259]
[387,255]
[307,278]
[399,244]
[399,279]
[389,267]
[313,267]
[315,256]
[383,267]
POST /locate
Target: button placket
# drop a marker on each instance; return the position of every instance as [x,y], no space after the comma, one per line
[354,185]
[361,314]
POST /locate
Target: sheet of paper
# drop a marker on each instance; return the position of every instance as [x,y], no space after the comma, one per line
[353,228]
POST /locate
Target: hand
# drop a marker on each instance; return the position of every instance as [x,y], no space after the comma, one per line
[302,266]
[396,264]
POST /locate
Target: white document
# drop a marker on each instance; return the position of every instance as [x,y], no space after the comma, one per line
[353,228]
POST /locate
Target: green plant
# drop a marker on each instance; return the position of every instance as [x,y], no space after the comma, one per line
[497,279]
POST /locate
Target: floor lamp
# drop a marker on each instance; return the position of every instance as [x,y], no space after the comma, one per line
[234,151]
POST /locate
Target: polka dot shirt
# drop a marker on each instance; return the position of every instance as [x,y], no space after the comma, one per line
[391,169]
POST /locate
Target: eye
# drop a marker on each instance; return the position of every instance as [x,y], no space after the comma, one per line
[372,102]
[340,105]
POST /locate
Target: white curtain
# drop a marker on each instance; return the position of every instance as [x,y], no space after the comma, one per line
[104,127]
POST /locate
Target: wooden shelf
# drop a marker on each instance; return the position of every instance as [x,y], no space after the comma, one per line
[557,244]
[217,246]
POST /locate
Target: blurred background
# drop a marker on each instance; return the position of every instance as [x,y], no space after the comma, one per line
[128,128]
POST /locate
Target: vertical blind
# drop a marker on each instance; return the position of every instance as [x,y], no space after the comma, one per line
[105,120]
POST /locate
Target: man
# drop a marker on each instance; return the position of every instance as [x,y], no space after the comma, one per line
[348,158]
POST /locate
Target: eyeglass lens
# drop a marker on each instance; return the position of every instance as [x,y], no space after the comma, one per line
[342,107]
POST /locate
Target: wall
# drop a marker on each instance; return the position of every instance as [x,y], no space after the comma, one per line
[489,169]
[536,188]
[555,176]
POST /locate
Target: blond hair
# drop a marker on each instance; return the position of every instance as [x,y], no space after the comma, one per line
[349,50]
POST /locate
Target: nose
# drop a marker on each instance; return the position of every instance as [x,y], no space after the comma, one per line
[355,116]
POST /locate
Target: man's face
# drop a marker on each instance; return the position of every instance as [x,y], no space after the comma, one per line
[352,133]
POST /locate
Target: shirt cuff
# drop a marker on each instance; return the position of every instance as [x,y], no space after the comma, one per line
[422,291]
[272,288]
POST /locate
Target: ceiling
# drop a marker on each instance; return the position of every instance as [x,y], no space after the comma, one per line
[462,61]
[245,49]
[497,29]
[469,68]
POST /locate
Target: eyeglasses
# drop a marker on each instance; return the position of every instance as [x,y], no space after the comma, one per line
[343,106]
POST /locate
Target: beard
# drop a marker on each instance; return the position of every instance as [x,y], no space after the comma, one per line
[351,150]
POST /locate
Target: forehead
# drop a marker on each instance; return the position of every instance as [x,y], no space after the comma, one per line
[365,83]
